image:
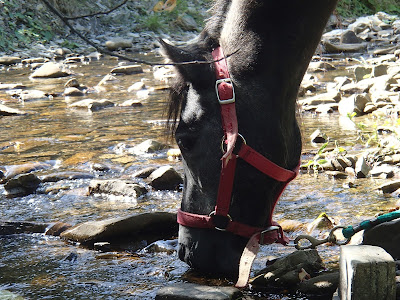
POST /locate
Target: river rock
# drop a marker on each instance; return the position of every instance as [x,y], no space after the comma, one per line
[349,37]
[320,66]
[73,91]
[118,43]
[73,82]
[192,291]
[22,185]
[131,103]
[51,70]
[148,146]
[8,111]
[92,104]
[322,222]
[360,87]
[186,22]
[382,83]
[165,178]
[7,295]
[389,187]
[25,168]
[136,86]
[11,86]
[57,228]
[128,230]
[362,72]
[117,187]
[9,60]
[289,270]
[168,247]
[362,167]
[353,104]
[15,227]
[345,48]
[127,69]
[324,98]
[325,284]
[65,176]
[144,173]
[383,171]
[32,95]
[318,137]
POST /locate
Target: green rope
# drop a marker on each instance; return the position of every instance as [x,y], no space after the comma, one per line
[349,231]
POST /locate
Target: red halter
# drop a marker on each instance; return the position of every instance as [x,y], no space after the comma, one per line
[220,218]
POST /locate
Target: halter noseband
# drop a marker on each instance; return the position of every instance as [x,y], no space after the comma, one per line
[220,219]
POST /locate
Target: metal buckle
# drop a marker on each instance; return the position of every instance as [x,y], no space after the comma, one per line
[227,101]
[212,214]
[269,229]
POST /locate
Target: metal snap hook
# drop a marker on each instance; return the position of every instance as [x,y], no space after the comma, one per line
[228,217]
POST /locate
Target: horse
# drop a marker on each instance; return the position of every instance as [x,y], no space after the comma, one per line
[232,109]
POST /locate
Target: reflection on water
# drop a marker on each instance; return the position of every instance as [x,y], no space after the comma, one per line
[40,267]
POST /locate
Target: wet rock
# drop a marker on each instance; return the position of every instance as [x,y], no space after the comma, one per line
[337,174]
[65,176]
[130,229]
[8,111]
[57,228]
[73,82]
[7,295]
[15,227]
[144,173]
[318,137]
[25,168]
[92,104]
[11,86]
[360,87]
[148,146]
[353,104]
[51,70]
[137,86]
[73,91]
[349,37]
[117,187]
[389,187]
[127,70]
[102,246]
[320,66]
[325,284]
[192,291]
[362,72]
[131,103]
[22,185]
[325,98]
[383,171]
[168,247]
[380,70]
[382,83]
[9,60]
[186,22]
[165,178]
[288,271]
[369,108]
[118,43]
[32,95]
[108,79]
[362,167]
[345,48]
[174,154]
[164,74]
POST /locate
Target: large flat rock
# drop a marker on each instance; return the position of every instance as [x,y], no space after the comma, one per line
[187,291]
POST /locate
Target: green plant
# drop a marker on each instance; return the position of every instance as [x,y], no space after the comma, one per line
[351,8]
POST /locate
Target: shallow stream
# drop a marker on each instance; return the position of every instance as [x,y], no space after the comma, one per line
[43,267]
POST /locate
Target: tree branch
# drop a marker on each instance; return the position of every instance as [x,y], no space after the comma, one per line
[98,13]
[102,50]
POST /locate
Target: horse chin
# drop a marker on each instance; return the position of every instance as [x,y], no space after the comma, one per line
[211,251]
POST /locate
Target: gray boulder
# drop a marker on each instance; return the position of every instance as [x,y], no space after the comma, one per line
[117,187]
[165,178]
[51,70]
[22,185]
[126,232]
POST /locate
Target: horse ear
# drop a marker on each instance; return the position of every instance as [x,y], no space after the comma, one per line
[190,72]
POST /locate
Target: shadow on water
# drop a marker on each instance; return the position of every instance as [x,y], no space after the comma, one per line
[67,139]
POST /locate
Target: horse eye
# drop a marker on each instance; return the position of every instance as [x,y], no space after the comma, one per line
[185,139]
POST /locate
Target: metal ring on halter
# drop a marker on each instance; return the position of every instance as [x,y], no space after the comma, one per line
[213,213]
[223,142]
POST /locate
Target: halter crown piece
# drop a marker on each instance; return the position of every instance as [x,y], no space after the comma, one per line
[220,219]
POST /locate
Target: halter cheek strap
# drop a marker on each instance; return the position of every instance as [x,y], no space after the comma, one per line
[220,218]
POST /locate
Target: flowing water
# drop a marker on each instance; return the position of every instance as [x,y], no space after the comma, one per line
[36,266]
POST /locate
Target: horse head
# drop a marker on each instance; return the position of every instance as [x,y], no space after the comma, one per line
[267,47]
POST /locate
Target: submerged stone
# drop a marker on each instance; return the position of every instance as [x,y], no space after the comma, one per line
[8,111]
[165,178]
[117,187]
[188,291]
[22,185]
